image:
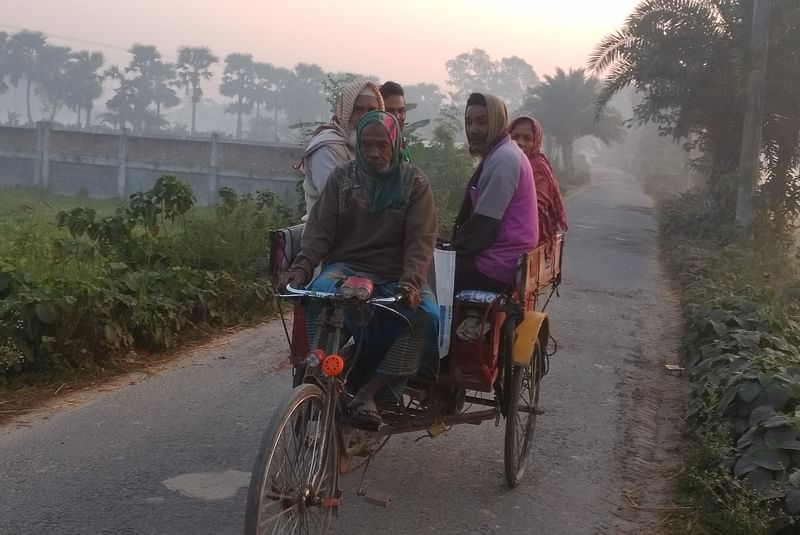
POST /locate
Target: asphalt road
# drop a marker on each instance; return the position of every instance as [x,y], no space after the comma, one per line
[170,452]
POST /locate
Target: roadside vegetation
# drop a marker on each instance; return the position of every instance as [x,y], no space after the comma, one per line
[683,66]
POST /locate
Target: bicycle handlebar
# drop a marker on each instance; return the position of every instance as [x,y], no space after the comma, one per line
[300,292]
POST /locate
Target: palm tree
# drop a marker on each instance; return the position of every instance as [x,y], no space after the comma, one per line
[283,79]
[689,60]
[128,106]
[4,64]
[194,66]
[85,82]
[50,78]
[685,58]
[564,105]
[24,48]
[148,81]
[237,82]
[264,87]
[122,107]
[163,78]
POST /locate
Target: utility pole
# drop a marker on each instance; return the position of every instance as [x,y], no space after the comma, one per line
[750,158]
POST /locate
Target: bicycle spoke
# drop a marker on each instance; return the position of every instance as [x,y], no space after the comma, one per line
[316,526]
[298,471]
[291,457]
[266,521]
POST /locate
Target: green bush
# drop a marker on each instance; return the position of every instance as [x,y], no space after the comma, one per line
[99,284]
[715,501]
[449,169]
[742,351]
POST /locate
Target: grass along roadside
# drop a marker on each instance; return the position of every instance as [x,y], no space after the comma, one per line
[88,286]
[742,356]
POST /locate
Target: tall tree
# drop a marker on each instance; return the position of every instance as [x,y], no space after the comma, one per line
[283,81]
[685,58]
[508,78]
[780,194]
[85,80]
[50,78]
[515,76]
[163,78]
[145,87]
[238,82]
[125,107]
[194,67]
[154,80]
[264,87]
[24,48]
[688,59]
[471,71]
[305,94]
[4,62]
[564,105]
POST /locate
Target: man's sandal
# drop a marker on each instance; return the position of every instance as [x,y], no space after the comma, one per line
[365,412]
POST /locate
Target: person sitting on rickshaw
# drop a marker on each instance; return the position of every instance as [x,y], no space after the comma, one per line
[376,218]
[498,219]
[331,144]
[528,134]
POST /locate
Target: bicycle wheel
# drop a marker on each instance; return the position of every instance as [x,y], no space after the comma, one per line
[523,399]
[295,476]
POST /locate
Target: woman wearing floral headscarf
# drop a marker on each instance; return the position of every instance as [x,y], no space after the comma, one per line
[376,218]
[528,134]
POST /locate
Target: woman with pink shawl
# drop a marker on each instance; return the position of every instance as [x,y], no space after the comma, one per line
[527,133]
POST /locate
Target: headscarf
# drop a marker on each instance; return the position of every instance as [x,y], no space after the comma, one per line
[347,99]
[337,131]
[389,189]
[552,215]
[497,117]
[497,132]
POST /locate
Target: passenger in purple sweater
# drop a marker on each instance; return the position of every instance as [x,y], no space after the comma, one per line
[498,220]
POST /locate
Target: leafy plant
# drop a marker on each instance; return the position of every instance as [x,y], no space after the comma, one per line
[742,350]
[141,278]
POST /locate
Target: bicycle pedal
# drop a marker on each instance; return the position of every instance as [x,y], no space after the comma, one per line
[381,499]
[538,411]
[362,425]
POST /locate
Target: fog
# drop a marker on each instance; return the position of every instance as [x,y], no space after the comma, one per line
[413,49]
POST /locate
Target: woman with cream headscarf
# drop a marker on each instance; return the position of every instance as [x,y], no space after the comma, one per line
[332,144]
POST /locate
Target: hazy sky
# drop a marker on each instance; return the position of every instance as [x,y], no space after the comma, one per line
[405,40]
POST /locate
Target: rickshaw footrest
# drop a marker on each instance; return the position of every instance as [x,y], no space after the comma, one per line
[381,499]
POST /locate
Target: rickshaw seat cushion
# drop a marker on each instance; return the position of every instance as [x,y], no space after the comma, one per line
[478,297]
[284,246]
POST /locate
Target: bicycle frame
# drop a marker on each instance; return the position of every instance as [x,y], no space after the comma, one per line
[331,324]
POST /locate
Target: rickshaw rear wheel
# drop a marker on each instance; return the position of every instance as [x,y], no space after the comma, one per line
[523,399]
[295,477]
